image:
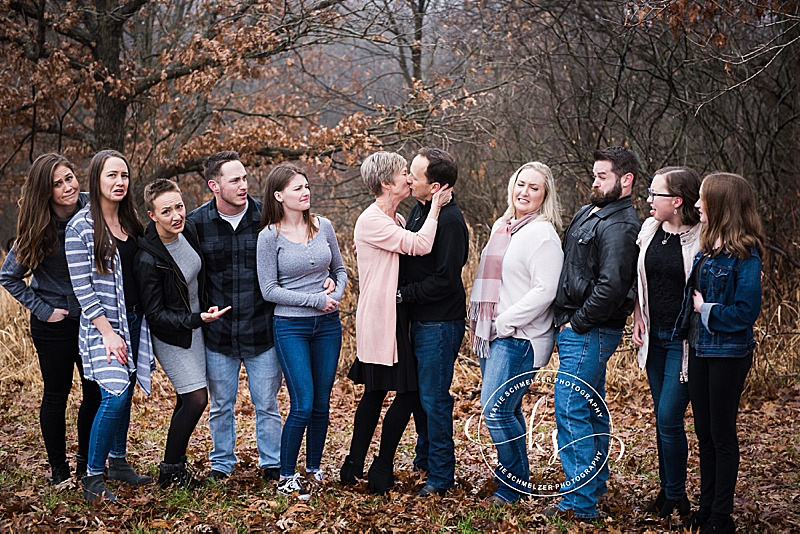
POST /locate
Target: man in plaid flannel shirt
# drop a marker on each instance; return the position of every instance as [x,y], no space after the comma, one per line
[228,227]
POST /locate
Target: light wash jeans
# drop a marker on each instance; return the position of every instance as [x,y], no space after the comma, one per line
[109,435]
[510,362]
[308,349]
[264,380]
[582,418]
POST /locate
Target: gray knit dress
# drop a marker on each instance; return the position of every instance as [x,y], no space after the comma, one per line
[185,368]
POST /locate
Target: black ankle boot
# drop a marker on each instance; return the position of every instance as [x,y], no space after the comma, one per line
[81,463]
[681,505]
[176,474]
[719,525]
[350,472]
[60,473]
[119,469]
[695,522]
[95,490]
[655,506]
[380,476]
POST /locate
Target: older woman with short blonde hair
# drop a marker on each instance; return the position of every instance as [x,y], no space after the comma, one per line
[384,363]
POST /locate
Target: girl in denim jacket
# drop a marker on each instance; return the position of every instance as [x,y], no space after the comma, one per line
[721,303]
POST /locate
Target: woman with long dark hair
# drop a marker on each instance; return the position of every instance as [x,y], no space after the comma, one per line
[50,197]
[171,276]
[722,301]
[101,243]
[668,243]
[297,252]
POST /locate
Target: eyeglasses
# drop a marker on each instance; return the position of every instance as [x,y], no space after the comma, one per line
[650,194]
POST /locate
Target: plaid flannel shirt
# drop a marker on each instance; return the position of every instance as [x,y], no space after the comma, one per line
[232,280]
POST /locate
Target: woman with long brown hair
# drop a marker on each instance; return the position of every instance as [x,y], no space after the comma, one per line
[297,251]
[50,197]
[722,301]
[101,242]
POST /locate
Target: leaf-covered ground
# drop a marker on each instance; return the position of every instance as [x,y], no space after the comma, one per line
[767,496]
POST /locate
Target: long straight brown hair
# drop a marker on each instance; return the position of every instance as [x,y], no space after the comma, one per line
[733,221]
[104,245]
[37,235]
[272,212]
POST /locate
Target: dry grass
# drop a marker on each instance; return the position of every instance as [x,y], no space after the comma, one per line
[18,361]
[776,363]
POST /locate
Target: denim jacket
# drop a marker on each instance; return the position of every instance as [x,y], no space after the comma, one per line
[731,289]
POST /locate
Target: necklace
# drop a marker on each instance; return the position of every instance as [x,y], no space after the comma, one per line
[680,234]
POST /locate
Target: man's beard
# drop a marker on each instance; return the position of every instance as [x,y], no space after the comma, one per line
[601,200]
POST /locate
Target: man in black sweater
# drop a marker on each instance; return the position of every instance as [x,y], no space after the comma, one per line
[433,290]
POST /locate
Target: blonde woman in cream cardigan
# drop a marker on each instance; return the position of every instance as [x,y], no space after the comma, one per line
[668,243]
[385,361]
[511,317]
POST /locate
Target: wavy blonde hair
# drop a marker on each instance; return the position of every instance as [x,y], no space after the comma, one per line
[551,207]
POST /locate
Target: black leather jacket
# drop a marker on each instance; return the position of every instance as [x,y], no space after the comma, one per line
[164,291]
[596,288]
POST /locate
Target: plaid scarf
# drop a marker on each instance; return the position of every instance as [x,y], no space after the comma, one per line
[486,288]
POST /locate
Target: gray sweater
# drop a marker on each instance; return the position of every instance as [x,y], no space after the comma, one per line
[292,274]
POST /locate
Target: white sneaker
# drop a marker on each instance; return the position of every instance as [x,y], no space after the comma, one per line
[294,484]
[316,475]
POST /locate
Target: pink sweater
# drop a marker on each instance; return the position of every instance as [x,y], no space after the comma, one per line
[379,240]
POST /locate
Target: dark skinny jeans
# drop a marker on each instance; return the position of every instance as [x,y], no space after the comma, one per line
[57,347]
[715,387]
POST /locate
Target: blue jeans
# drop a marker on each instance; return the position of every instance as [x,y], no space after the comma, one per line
[436,347]
[264,380]
[109,434]
[670,398]
[308,350]
[510,362]
[582,418]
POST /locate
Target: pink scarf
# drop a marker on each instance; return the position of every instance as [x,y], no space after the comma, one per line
[486,287]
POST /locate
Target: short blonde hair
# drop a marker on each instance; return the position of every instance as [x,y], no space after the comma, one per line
[551,207]
[380,168]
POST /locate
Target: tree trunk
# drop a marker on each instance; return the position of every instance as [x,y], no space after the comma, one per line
[112,106]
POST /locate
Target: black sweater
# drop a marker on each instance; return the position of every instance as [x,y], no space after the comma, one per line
[431,284]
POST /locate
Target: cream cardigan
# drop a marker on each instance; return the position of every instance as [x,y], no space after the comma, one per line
[379,240]
[690,246]
[531,270]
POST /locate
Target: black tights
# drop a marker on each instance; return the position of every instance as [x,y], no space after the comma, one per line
[188,410]
[394,424]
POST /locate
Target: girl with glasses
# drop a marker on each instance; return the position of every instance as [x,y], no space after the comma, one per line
[668,242]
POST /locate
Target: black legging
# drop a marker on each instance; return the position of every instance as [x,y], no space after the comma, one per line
[715,387]
[188,409]
[57,347]
[394,424]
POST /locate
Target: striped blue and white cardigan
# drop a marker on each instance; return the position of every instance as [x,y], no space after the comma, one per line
[103,294]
